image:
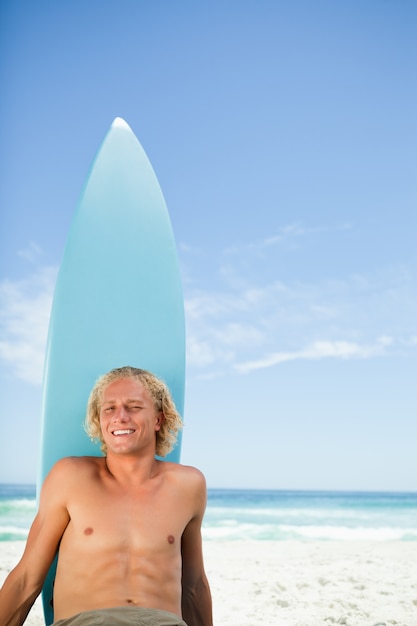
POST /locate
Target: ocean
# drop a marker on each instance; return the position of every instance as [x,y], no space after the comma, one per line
[236,514]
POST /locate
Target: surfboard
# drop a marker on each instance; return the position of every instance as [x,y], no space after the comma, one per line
[118,300]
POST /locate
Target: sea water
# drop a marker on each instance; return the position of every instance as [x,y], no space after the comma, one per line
[311,515]
[266,515]
[17,510]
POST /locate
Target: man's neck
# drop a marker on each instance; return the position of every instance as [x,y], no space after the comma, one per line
[132,470]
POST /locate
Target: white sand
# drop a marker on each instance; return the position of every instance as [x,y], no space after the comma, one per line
[299,584]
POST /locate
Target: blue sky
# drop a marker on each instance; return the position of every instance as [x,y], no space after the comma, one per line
[283,135]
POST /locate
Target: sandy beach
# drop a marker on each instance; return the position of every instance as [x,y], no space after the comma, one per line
[298,584]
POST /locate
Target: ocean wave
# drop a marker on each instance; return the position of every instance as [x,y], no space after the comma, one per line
[13,533]
[232,530]
[358,533]
[301,513]
[18,504]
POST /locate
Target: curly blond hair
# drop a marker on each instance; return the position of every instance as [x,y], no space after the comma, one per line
[166,437]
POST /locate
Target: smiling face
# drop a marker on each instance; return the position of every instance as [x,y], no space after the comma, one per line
[128,418]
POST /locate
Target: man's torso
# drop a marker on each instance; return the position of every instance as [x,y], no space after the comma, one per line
[122,546]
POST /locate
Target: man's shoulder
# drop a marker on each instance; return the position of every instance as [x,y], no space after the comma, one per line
[76,464]
[67,475]
[185,477]
[186,471]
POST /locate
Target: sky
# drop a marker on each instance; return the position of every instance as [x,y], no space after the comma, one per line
[284,137]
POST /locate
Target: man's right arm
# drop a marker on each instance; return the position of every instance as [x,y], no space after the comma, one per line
[25,581]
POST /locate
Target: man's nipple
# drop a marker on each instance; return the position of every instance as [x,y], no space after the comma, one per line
[88,530]
[171,539]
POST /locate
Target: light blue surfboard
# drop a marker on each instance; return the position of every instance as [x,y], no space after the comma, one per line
[118,300]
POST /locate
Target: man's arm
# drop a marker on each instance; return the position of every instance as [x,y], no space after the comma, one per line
[25,581]
[196,596]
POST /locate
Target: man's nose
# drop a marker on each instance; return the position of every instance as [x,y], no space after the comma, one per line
[121,415]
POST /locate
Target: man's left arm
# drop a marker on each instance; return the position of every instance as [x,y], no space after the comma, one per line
[196,596]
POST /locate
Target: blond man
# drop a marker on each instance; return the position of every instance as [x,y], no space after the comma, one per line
[126,526]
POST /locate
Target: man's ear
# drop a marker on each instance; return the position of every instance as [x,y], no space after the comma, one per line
[160,420]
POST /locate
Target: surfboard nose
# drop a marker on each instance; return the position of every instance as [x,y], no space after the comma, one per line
[119,122]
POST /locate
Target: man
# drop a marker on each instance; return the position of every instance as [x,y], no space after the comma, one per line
[127,525]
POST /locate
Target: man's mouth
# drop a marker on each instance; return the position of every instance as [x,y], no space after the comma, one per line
[124,431]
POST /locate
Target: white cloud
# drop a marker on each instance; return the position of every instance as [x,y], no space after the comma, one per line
[285,235]
[25,307]
[32,253]
[248,321]
[215,329]
[319,350]
[202,353]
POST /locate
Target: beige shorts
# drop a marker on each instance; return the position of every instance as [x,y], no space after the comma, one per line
[123,616]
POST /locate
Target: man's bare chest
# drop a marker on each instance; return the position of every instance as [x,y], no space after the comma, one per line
[125,521]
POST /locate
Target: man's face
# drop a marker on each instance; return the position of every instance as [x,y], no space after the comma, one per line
[128,418]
